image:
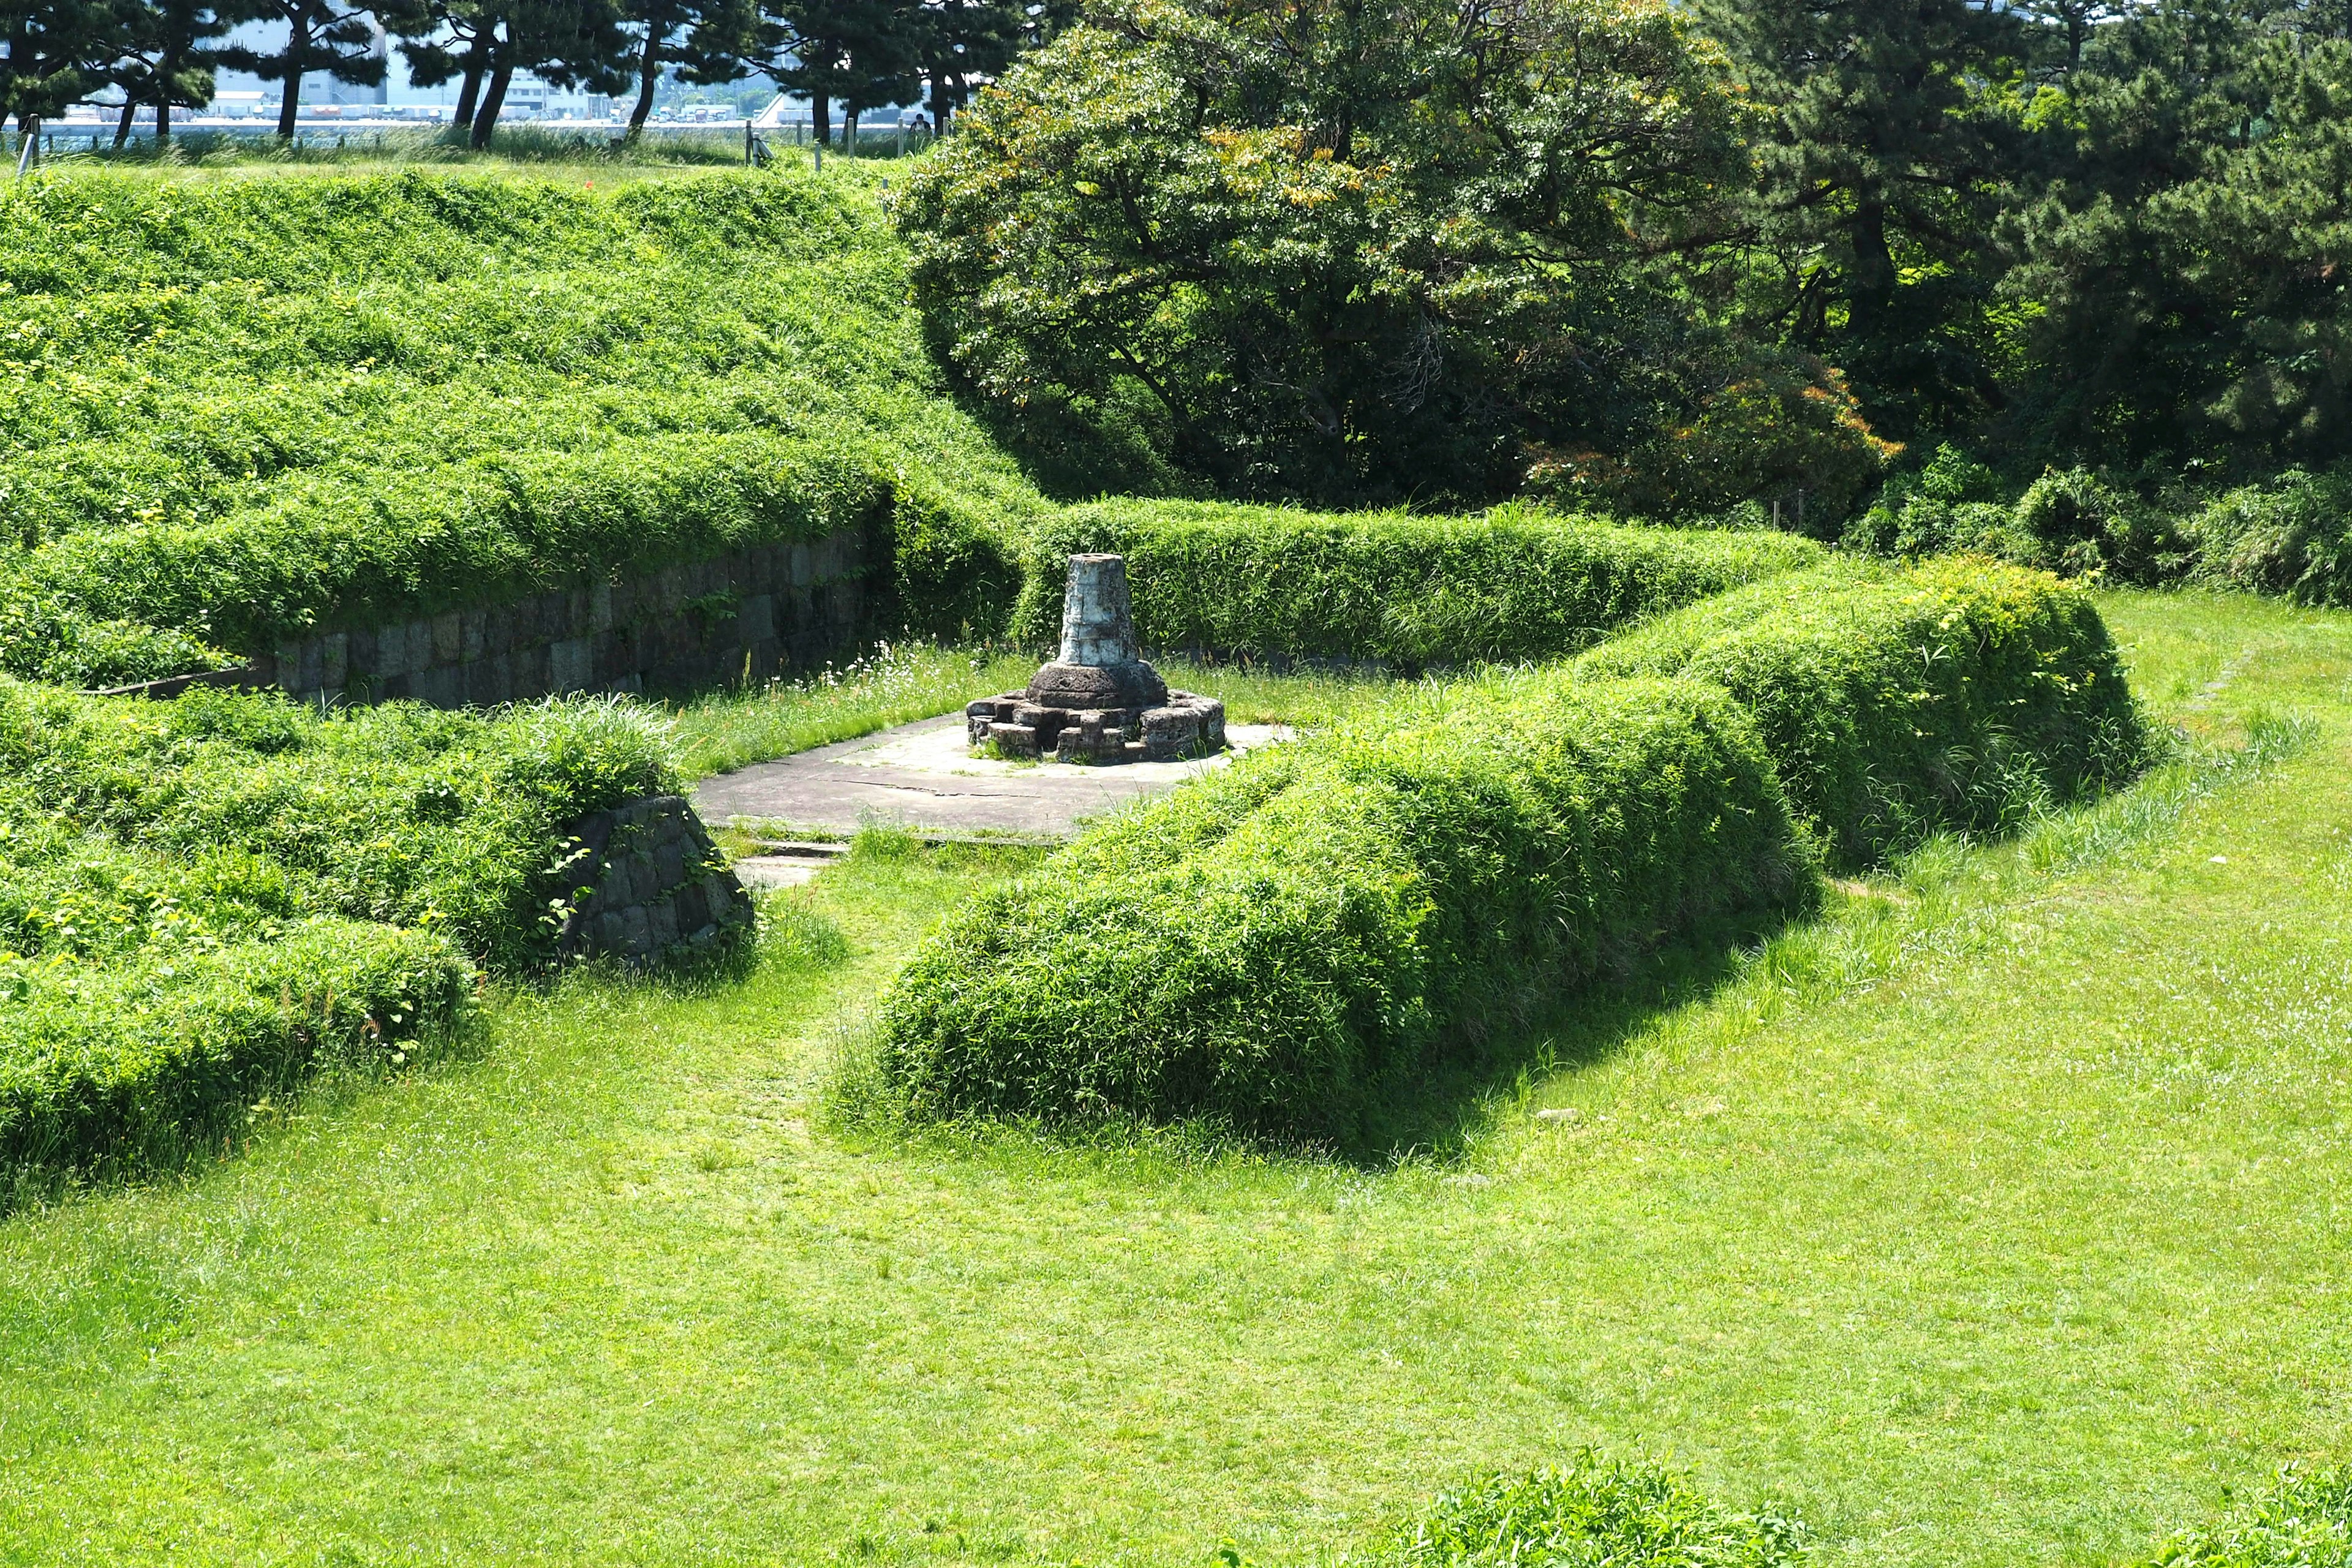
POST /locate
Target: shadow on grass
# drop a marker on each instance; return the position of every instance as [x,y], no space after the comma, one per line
[1437,1111]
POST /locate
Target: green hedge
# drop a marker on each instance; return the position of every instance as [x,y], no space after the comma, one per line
[201,897]
[363,550]
[232,411]
[1271,948]
[1963,694]
[1391,588]
[123,1066]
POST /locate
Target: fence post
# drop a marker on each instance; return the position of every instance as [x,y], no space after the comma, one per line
[747,141]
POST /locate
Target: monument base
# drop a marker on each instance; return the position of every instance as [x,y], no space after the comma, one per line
[1184,725]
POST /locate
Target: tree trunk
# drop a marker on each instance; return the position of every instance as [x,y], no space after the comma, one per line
[297,54]
[1871,287]
[820,118]
[939,102]
[649,78]
[123,126]
[163,117]
[486,118]
[470,88]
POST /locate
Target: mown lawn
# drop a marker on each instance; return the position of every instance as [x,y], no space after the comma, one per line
[1995,1218]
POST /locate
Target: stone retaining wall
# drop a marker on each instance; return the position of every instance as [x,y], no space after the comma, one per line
[656,885]
[756,612]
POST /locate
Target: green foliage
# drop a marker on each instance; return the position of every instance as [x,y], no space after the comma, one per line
[2303,1520]
[2079,521]
[1963,695]
[238,409]
[1592,1511]
[446,822]
[125,1065]
[2183,272]
[1886,132]
[1276,947]
[1404,591]
[1335,253]
[2291,535]
[199,898]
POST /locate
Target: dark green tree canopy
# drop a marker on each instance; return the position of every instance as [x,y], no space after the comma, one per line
[1338,247]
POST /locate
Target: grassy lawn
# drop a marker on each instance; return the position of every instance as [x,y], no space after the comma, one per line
[1994,1217]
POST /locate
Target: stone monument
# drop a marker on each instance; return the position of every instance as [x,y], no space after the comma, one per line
[1098,701]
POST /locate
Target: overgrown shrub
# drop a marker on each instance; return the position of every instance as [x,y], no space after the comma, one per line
[1959,694]
[1588,1512]
[2071,520]
[199,898]
[2303,1520]
[1404,591]
[124,1064]
[1275,948]
[2292,536]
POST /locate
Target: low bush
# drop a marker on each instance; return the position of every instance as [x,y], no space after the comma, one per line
[1390,588]
[123,1065]
[1276,947]
[1960,694]
[1273,948]
[199,898]
[2292,536]
[1590,1511]
[2302,1520]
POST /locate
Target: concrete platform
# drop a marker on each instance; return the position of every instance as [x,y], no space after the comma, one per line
[923,776]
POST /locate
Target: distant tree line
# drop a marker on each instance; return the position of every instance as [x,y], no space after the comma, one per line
[853,56]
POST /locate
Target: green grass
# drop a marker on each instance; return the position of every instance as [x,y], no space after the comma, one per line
[1996,1217]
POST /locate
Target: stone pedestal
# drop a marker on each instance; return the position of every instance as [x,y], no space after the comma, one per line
[1098,700]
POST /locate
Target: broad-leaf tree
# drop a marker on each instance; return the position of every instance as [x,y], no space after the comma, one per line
[1412,247]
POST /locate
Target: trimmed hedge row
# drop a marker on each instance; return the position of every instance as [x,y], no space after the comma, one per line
[1960,694]
[199,898]
[1273,947]
[1407,592]
[1268,948]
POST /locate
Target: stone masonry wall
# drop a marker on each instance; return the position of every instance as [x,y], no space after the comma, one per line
[757,612]
[655,885]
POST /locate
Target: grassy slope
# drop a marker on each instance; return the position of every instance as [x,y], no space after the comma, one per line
[1993,1219]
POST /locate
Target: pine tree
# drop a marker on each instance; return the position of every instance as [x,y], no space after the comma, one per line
[580,45]
[1888,144]
[340,41]
[962,43]
[170,51]
[52,52]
